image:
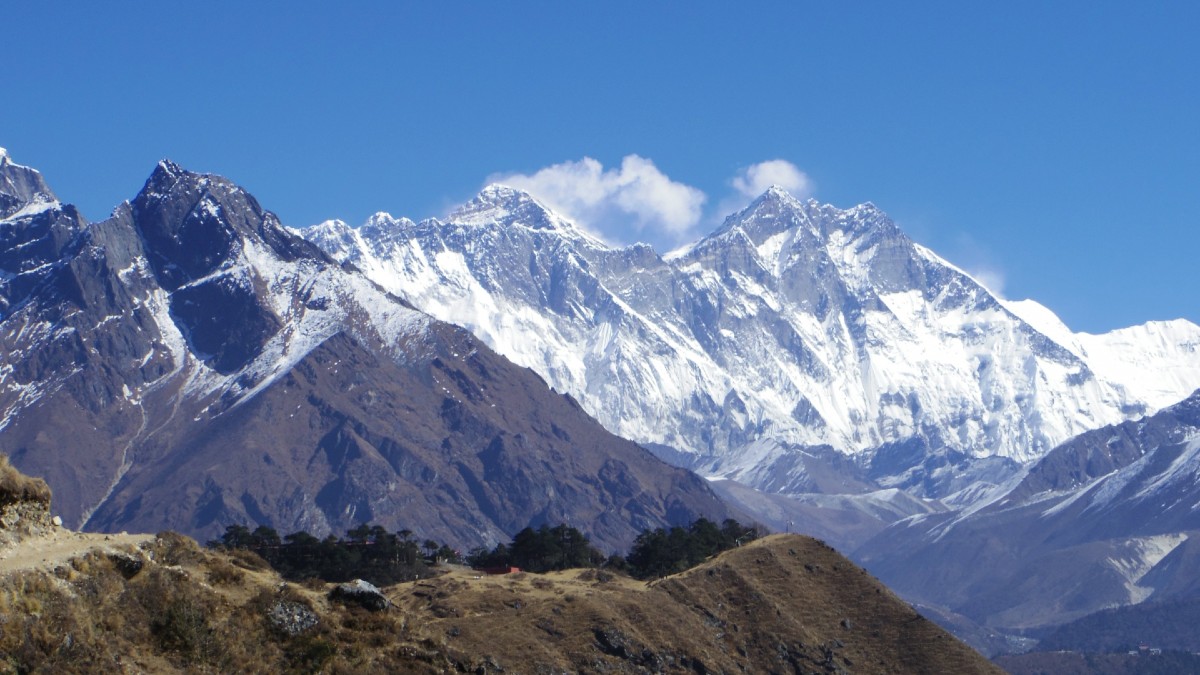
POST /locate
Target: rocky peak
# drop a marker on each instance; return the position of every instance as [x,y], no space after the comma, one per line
[21,186]
[211,246]
[186,220]
[773,214]
[385,227]
[195,224]
[864,224]
[510,207]
[335,237]
[384,220]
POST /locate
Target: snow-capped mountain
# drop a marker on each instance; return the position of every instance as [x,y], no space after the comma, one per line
[796,325]
[189,363]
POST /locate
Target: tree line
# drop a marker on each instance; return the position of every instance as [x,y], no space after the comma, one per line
[655,553]
[372,553]
[660,552]
[367,552]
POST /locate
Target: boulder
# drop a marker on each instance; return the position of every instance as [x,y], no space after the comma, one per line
[361,593]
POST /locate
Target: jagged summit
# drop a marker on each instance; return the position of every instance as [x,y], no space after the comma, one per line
[21,187]
[385,226]
[506,206]
[500,193]
[775,197]
[777,211]
[384,219]
[169,166]
[501,203]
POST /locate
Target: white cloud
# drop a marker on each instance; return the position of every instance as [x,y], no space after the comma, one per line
[755,179]
[975,257]
[612,200]
[992,279]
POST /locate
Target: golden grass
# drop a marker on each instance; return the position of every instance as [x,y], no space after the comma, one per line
[783,604]
[17,487]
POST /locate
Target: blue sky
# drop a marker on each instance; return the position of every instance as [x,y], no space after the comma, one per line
[1053,148]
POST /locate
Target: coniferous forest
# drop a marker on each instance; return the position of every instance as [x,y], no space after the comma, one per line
[372,553]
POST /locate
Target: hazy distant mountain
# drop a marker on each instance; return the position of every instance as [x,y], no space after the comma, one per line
[1110,518]
[188,363]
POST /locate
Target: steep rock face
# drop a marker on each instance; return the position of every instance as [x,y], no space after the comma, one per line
[147,360]
[21,187]
[78,332]
[1106,519]
[794,326]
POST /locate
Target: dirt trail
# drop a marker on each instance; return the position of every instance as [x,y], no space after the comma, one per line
[56,548]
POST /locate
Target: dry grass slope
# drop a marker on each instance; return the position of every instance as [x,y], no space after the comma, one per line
[784,605]
[16,487]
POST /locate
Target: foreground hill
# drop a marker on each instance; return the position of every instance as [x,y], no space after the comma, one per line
[787,604]
[95,603]
[189,364]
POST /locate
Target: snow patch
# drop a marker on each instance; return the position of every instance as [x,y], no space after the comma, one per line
[36,207]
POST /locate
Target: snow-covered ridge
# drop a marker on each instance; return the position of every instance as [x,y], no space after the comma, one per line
[502,205]
[794,324]
[1154,361]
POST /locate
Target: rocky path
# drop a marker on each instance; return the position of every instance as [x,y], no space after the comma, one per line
[55,548]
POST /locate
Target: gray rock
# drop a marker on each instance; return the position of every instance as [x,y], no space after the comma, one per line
[361,593]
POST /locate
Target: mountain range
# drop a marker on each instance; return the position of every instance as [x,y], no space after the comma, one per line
[188,363]
[800,349]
